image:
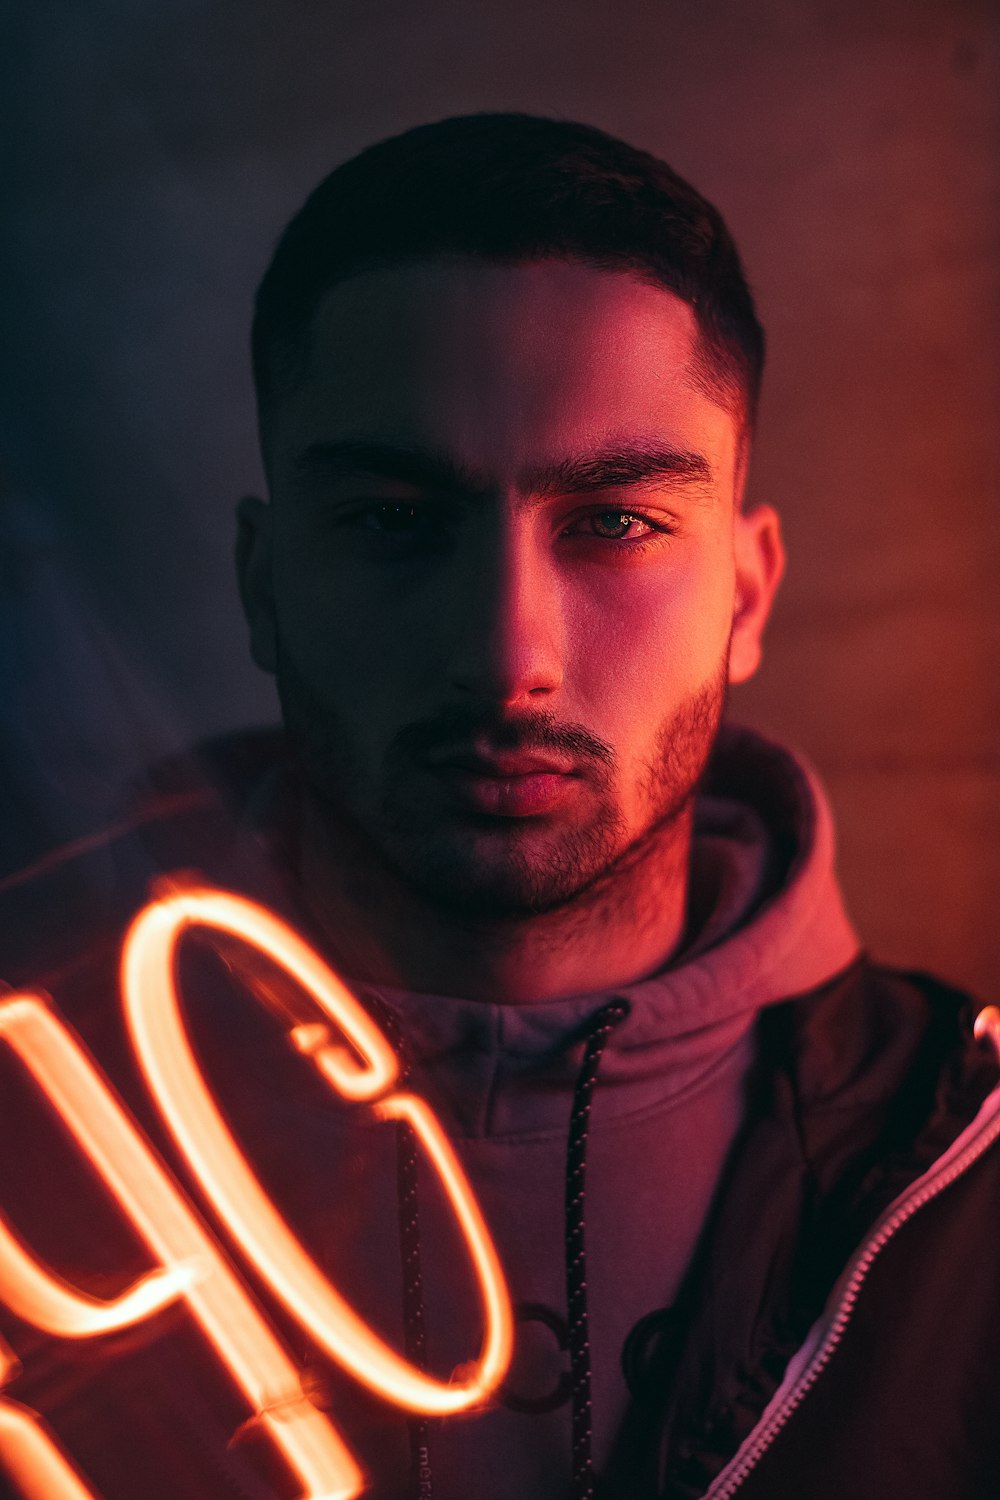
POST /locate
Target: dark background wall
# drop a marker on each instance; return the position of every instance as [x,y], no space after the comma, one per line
[153,150]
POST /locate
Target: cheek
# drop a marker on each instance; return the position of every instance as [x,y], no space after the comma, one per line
[648,639]
[363,647]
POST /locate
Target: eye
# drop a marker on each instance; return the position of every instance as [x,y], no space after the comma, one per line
[392,518]
[615,526]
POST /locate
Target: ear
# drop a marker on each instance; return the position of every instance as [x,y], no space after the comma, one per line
[253,570]
[760,562]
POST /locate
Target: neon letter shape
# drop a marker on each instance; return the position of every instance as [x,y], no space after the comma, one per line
[189,1109]
[189,1267]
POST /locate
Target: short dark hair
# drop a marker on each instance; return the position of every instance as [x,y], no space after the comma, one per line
[510,189]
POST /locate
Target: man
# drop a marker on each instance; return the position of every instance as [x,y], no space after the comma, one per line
[507,372]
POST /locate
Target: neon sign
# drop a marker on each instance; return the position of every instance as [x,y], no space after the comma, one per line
[190,1268]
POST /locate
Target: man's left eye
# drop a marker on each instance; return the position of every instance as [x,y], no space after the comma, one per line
[617,525]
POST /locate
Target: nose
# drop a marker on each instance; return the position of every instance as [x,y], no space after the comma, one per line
[508,628]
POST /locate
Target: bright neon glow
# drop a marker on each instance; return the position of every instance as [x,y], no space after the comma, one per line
[189,1265]
[148,986]
[175,1079]
[40,1297]
[499,1317]
[30,1456]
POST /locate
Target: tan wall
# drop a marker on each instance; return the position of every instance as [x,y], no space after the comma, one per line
[854,149]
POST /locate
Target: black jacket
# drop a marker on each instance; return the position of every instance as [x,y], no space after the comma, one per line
[841,1332]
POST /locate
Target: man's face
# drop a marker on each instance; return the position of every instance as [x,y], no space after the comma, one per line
[498,578]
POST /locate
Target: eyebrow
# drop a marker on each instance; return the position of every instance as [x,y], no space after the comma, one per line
[615,466]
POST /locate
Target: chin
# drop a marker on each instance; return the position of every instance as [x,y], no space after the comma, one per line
[528,876]
[495,896]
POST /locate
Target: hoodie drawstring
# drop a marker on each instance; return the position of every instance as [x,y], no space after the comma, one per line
[415,1336]
[601,1027]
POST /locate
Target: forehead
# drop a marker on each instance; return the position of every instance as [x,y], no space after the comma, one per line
[503,365]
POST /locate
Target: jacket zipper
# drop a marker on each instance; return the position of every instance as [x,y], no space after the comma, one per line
[806,1367]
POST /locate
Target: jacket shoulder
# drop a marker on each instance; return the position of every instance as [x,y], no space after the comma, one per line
[867,1029]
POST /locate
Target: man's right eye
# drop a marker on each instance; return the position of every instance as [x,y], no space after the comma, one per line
[391,518]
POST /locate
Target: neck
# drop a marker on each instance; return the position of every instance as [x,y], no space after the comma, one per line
[626,927]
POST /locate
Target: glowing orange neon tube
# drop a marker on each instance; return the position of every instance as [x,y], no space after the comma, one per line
[40,1297]
[32,1459]
[424,1122]
[173,1074]
[189,1266]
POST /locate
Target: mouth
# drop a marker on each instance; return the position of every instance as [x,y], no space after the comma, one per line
[505,765]
[514,784]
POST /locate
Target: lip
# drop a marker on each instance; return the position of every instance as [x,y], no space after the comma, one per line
[506,786]
[505,766]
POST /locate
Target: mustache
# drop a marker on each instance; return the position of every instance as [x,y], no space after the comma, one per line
[457,726]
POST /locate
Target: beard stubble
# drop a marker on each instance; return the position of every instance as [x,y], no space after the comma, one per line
[479,872]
